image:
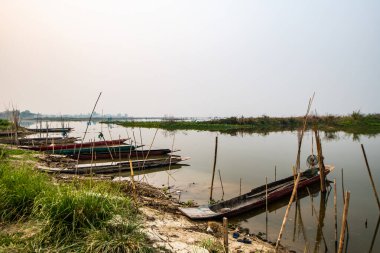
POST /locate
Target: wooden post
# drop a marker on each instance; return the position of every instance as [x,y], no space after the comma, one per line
[221,183]
[213,169]
[321,164]
[335,218]
[266,208]
[240,188]
[225,234]
[275,173]
[370,177]
[344,219]
[287,211]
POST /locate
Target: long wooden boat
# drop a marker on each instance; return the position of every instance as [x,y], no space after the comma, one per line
[74,145]
[92,150]
[36,142]
[50,130]
[112,167]
[255,198]
[130,154]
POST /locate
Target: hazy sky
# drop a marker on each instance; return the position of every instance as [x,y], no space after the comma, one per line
[190,58]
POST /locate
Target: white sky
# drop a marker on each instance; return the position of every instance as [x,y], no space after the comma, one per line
[190,58]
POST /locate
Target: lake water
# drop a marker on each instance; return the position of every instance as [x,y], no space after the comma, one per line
[253,157]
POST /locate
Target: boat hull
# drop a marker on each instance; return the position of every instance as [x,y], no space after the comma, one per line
[112,167]
[74,145]
[252,200]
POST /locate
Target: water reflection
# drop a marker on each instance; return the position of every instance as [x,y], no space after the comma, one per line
[375,234]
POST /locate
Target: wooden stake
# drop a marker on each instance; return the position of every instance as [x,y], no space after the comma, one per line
[344,219]
[335,218]
[321,164]
[213,169]
[370,177]
[266,208]
[275,173]
[240,188]
[225,234]
[302,133]
[287,211]
[221,183]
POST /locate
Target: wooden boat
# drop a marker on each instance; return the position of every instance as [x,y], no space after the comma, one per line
[112,167]
[130,154]
[10,133]
[255,198]
[50,130]
[39,141]
[75,145]
[92,150]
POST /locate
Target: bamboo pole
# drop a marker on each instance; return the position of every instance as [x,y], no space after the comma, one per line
[344,220]
[225,234]
[275,173]
[213,169]
[221,183]
[287,211]
[240,188]
[321,164]
[85,132]
[370,177]
[266,208]
[335,218]
[302,133]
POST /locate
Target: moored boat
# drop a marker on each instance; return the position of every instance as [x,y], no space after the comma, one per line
[112,167]
[50,130]
[255,198]
[129,154]
[92,150]
[75,145]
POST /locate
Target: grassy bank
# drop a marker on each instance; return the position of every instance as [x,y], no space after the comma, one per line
[37,213]
[356,123]
[4,124]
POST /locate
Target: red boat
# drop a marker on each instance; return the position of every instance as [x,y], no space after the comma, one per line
[74,145]
[255,198]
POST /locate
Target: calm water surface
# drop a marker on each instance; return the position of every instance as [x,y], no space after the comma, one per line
[252,158]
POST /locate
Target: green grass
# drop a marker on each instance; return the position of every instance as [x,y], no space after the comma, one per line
[18,190]
[4,124]
[81,216]
[356,123]
[212,245]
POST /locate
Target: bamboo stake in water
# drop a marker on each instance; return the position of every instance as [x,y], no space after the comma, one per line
[225,234]
[240,188]
[335,218]
[344,220]
[266,208]
[221,183]
[302,133]
[213,169]
[287,211]
[85,132]
[321,164]
[275,173]
[370,177]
